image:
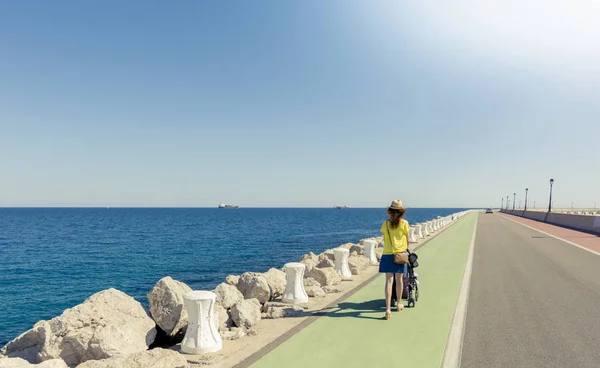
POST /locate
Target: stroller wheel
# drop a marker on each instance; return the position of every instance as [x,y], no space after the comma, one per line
[411,303]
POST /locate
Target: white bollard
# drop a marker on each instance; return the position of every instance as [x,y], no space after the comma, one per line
[411,235]
[294,288]
[436,226]
[341,263]
[370,246]
[426,231]
[419,231]
[202,335]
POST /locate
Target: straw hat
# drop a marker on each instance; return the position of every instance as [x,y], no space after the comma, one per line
[396,205]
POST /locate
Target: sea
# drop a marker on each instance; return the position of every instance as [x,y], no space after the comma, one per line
[52,259]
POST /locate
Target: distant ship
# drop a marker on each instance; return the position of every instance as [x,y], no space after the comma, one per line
[223,205]
[339,207]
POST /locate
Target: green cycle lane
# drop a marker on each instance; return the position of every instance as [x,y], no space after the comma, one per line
[355,334]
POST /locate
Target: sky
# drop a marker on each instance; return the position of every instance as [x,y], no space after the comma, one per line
[310,103]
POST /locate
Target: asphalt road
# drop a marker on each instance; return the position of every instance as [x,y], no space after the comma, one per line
[534,300]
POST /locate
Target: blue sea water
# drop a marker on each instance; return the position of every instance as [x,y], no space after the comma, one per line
[54,258]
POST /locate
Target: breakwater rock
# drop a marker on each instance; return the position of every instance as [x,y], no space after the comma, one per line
[107,324]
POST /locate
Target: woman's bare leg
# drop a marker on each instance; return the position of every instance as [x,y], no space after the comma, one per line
[389,283]
[399,288]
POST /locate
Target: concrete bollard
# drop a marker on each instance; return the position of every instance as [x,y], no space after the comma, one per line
[341,263]
[412,238]
[369,246]
[419,231]
[294,288]
[202,335]
[426,231]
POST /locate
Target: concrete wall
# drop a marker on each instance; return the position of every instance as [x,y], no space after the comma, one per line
[586,223]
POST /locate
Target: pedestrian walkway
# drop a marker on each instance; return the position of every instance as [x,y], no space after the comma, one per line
[354,333]
[586,240]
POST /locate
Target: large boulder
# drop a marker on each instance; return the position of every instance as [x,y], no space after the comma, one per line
[277,282]
[325,276]
[167,307]
[309,263]
[315,292]
[107,324]
[155,358]
[227,295]
[223,316]
[328,254]
[357,264]
[309,255]
[232,280]
[254,285]
[22,363]
[325,262]
[347,246]
[274,312]
[246,313]
[358,248]
[309,281]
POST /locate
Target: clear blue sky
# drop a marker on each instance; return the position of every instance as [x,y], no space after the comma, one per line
[306,103]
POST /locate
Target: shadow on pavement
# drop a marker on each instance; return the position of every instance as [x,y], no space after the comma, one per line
[372,309]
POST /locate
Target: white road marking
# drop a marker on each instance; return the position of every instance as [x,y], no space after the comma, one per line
[453,350]
[554,236]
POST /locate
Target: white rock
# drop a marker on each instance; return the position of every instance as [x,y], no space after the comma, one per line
[223,317]
[166,305]
[232,280]
[310,263]
[283,312]
[347,246]
[22,363]
[155,358]
[227,295]
[310,255]
[232,334]
[325,276]
[328,253]
[357,264]
[315,291]
[254,285]
[246,313]
[107,324]
[277,281]
[358,248]
[325,262]
[331,289]
[309,281]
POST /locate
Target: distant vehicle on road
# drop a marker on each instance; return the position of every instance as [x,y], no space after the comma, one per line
[489,210]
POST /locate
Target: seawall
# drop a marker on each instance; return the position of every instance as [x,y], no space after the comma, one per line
[587,223]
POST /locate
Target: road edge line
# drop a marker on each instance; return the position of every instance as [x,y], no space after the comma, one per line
[453,349]
[554,236]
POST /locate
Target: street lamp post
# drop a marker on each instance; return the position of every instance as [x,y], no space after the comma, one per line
[526,190]
[507,203]
[502,205]
[550,202]
[514,200]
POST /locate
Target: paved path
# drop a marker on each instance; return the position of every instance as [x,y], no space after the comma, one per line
[586,240]
[355,334]
[534,300]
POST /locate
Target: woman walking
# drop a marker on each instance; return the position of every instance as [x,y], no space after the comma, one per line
[395,240]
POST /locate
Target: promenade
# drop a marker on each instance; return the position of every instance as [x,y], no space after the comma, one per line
[533,302]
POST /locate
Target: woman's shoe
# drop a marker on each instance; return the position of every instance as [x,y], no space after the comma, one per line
[388,315]
[400,307]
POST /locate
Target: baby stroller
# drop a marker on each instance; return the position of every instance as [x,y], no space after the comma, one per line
[410,285]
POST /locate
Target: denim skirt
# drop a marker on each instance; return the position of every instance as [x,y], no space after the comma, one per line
[386,264]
